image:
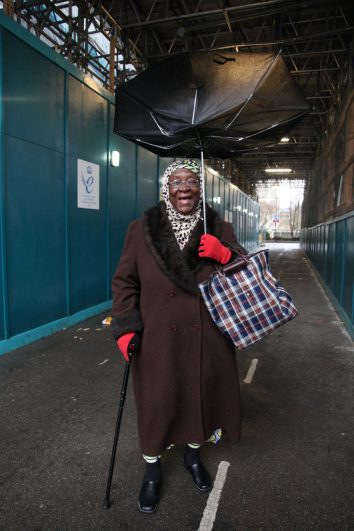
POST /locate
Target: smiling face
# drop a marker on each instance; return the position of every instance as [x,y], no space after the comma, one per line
[186,198]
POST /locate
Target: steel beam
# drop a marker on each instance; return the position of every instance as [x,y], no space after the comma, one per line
[207,13]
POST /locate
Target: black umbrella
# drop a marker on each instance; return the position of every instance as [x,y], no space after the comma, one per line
[212,104]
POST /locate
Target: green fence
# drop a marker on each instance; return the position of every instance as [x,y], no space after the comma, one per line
[330,247]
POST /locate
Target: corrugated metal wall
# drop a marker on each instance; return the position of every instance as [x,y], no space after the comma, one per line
[330,247]
[57,260]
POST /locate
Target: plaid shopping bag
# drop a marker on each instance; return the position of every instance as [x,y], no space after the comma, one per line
[245,301]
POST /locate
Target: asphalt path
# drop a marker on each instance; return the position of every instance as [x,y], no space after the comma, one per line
[292,469]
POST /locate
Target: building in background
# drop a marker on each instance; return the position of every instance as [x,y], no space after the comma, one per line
[280,203]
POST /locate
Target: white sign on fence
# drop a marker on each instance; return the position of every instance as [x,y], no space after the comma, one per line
[88,184]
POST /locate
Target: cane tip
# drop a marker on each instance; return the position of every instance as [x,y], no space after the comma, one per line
[106,504]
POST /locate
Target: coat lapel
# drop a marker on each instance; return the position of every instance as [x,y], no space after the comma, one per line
[179,266]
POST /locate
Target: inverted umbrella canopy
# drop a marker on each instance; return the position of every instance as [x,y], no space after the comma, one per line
[222,103]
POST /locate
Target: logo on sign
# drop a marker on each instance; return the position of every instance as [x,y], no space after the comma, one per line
[89,181]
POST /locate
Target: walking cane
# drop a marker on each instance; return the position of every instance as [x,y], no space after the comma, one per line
[106,501]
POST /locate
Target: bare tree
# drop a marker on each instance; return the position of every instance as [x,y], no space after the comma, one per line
[294,216]
[266,213]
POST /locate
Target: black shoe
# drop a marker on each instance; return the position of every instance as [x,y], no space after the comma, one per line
[149,496]
[200,476]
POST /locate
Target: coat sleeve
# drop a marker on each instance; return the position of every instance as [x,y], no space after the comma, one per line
[126,290]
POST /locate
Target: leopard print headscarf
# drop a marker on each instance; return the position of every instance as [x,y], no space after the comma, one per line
[182,224]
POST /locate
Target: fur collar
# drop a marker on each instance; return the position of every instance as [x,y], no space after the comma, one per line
[179,266]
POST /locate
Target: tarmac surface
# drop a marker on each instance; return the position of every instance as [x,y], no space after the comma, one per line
[292,470]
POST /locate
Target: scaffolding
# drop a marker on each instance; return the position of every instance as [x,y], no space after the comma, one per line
[85,34]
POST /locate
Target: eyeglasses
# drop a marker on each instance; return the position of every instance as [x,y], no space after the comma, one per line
[179,183]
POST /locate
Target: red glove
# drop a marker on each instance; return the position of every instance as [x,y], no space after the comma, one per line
[124,342]
[211,247]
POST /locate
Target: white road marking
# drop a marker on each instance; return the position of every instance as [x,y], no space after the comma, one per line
[251,371]
[349,349]
[209,514]
[103,362]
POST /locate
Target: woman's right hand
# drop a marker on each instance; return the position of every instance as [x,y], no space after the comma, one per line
[128,344]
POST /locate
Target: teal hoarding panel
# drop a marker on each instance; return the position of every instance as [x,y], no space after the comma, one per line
[122,199]
[321,263]
[35,235]
[232,206]
[147,184]
[239,226]
[325,252]
[216,193]
[316,243]
[3,289]
[318,248]
[313,240]
[222,199]
[87,141]
[243,219]
[228,195]
[3,305]
[33,95]
[331,258]
[330,246]
[87,243]
[163,164]
[209,188]
[87,123]
[339,259]
[226,215]
[348,275]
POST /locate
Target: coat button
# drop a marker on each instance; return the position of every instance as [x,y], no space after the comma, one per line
[173,328]
[172,292]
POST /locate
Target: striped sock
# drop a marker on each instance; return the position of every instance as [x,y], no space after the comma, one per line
[151,458]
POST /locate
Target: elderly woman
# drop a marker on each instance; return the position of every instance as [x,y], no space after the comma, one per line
[184,370]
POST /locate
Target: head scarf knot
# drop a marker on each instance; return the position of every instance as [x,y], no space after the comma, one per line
[182,224]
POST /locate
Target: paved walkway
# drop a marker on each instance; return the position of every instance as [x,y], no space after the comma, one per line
[292,470]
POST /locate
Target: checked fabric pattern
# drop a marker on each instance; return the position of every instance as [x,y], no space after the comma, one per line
[248,304]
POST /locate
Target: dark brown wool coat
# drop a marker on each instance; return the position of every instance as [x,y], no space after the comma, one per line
[185,375]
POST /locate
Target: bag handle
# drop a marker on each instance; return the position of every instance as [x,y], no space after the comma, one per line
[241,261]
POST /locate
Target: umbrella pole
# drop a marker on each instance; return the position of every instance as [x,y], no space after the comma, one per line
[203,190]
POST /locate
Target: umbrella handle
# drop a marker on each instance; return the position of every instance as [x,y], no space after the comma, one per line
[203,190]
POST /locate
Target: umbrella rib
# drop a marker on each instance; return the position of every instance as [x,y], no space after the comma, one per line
[195,104]
[170,146]
[262,131]
[165,133]
[251,95]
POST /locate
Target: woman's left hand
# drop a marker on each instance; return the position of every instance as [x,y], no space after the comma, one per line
[211,247]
